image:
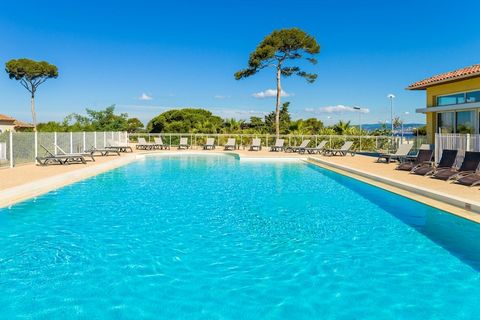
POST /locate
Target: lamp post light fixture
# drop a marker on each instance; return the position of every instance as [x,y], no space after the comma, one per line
[391,96]
[359,117]
[406,113]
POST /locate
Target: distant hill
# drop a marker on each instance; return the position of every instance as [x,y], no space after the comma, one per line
[407,127]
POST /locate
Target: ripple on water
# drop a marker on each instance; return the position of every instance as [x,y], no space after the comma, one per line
[213,238]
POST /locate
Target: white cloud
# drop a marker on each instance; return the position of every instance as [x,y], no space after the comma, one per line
[221,97]
[270,93]
[145,97]
[338,109]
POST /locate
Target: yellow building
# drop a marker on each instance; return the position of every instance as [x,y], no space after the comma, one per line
[453,101]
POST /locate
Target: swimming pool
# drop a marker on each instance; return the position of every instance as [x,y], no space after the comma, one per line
[212,237]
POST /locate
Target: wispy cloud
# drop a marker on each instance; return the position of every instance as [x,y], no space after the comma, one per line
[337,109]
[145,97]
[221,97]
[270,93]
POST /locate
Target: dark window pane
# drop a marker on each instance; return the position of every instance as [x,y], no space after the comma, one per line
[473,96]
[465,122]
[445,122]
[451,99]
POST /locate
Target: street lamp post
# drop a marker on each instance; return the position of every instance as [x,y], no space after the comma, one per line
[391,97]
[359,117]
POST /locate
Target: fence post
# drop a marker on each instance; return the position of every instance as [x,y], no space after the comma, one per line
[104,139]
[71,142]
[84,141]
[36,145]
[95,139]
[55,142]
[10,147]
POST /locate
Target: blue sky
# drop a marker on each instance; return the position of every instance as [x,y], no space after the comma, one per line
[185,54]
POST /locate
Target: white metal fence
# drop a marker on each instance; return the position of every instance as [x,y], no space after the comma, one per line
[361,143]
[22,147]
[460,142]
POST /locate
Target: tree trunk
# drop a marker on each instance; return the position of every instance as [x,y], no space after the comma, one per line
[277,108]
[34,116]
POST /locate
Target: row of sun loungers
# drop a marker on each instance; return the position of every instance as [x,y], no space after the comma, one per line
[64,158]
[256,145]
[450,168]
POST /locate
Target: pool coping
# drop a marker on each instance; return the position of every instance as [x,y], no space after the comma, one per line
[457,206]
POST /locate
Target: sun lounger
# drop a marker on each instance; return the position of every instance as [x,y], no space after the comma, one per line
[423,157]
[159,143]
[50,158]
[470,180]
[231,144]
[118,146]
[83,154]
[210,144]
[183,143]
[318,149]
[144,145]
[303,145]
[343,151]
[102,152]
[469,166]
[399,155]
[278,145]
[256,145]
[446,161]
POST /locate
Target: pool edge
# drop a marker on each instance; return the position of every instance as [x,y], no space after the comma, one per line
[450,204]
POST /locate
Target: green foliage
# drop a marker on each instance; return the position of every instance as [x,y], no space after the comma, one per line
[341,127]
[285,120]
[278,50]
[134,125]
[397,123]
[30,73]
[186,120]
[281,46]
[308,126]
[233,126]
[102,120]
[420,131]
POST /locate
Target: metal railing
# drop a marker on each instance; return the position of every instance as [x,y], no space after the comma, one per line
[23,147]
[361,143]
[453,141]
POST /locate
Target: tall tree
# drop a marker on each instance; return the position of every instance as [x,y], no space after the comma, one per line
[284,119]
[31,74]
[276,50]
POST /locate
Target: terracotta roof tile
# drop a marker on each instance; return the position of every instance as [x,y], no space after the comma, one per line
[467,72]
[21,124]
[6,118]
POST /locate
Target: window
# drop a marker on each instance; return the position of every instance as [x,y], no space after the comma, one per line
[451,99]
[465,122]
[459,98]
[473,96]
[445,122]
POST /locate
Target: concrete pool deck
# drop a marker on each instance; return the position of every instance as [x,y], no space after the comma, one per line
[27,181]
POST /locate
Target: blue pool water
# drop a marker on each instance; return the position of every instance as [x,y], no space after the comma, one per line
[212,237]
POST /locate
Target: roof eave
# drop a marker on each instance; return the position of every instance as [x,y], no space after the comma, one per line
[425,86]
